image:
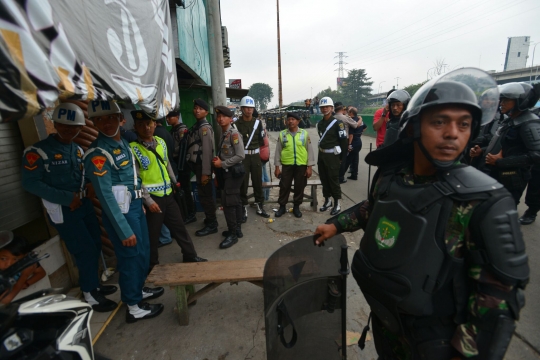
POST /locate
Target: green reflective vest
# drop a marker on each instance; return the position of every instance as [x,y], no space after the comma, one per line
[153,172]
[294,149]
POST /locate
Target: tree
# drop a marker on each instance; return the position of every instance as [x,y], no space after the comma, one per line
[412,89]
[356,88]
[335,95]
[262,94]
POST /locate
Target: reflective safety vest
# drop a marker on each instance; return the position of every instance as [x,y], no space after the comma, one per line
[153,172]
[294,149]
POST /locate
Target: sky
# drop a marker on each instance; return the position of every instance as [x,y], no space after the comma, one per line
[389,39]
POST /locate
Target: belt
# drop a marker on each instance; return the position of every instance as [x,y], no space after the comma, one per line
[82,194]
[136,194]
[328,151]
[251,152]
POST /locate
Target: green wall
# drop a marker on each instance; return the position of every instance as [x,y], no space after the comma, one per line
[186,104]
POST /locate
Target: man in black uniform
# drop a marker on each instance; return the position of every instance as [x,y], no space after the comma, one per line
[442,262]
[179,133]
[397,102]
[517,144]
[228,164]
[252,133]
[200,152]
[332,151]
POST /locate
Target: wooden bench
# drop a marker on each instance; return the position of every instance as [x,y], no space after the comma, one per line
[311,198]
[182,277]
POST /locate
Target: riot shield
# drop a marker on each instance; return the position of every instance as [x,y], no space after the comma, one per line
[305,300]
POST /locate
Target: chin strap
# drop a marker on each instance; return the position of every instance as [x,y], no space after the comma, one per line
[77,134]
[115,133]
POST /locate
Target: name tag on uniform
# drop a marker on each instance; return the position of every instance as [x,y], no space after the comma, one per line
[59,162]
[120,157]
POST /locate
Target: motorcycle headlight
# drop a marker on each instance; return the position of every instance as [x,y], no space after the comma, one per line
[53,299]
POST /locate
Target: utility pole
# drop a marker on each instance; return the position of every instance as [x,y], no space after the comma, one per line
[279,60]
[340,55]
[397,82]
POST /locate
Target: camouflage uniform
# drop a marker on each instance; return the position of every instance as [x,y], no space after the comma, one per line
[480,308]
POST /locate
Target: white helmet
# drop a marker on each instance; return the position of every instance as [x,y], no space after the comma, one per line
[326,101]
[247,101]
[100,108]
[68,114]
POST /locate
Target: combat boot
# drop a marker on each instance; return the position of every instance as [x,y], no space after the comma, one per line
[337,208]
[238,231]
[281,211]
[327,204]
[228,241]
[210,228]
[528,217]
[260,210]
[296,211]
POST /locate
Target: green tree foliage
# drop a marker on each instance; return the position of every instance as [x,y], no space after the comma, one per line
[262,94]
[412,89]
[347,94]
[356,88]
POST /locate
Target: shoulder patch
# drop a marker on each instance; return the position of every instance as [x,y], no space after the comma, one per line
[100,173]
[235,138]
[341,126]
[98,162]
[30,167]
[79,154]
[204,132]
[32,158]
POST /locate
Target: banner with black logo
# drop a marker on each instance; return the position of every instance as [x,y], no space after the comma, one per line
[86,50]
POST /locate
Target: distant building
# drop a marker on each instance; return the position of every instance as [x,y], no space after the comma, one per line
[524,74]
[517,52]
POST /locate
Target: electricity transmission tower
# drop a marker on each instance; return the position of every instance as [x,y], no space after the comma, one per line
[340,55]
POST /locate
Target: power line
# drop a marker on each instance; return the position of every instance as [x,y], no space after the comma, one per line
[405,45]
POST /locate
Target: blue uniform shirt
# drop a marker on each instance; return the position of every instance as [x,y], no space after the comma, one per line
[53,170]
[108,163]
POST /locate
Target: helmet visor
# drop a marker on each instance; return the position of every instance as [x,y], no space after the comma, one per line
[467,86]
[511,90]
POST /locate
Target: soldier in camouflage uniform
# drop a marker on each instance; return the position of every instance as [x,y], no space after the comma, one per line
[442,262]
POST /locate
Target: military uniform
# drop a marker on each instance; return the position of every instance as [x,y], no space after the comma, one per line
[54,171]
[231,153]
[180,135]
[329,162]
[294,153]
[200,153]
[158,178]
[252,161]
[109,165]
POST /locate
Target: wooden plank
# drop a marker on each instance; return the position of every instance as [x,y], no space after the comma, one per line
[207,272]
[181,305]
[196,295]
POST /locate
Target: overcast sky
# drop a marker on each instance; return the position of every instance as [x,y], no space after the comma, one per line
[390,38]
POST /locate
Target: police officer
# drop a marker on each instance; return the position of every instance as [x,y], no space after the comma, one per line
[154,167]
[295,154]
[52,169]
[517,145]
[109,165]
[179,132]
[397,102]
[434,263]
[332,151]
[200,153]
[228,163]
[253,137]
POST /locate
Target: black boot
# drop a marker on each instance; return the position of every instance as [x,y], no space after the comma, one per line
[327,205]
[191,218]
[188,259]
[228,241]
[149,293]
[260,210]
[210,228]
[528,217]
[280,211]
[239,232]
[296,211]
[337,208]
[107,289]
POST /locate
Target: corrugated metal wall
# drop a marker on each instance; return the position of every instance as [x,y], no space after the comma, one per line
[18,207]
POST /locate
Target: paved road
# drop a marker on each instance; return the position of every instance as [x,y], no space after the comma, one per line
[228,323]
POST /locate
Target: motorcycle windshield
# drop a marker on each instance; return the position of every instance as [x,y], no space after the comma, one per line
[302,288]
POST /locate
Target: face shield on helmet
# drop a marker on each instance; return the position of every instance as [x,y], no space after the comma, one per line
[471,88]
[525,95]
[401,96]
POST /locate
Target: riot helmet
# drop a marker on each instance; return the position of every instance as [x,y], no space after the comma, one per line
[462,87]
[525,95]
[401,96]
